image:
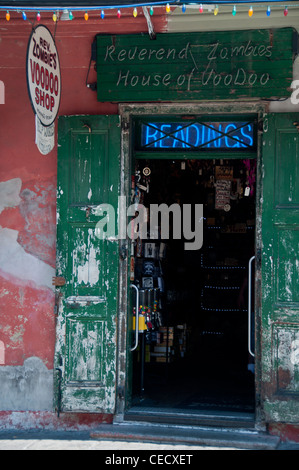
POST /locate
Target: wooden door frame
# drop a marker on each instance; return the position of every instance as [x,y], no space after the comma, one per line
[127,112]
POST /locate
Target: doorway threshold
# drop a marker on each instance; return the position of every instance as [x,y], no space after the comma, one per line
[201,437]
[227,419]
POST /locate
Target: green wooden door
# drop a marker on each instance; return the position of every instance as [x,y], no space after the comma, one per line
[280,269]
[88,176]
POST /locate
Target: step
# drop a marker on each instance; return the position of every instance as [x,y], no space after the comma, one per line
[191,417]
[186,435]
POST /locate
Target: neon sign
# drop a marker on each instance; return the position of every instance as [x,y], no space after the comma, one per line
[196,135]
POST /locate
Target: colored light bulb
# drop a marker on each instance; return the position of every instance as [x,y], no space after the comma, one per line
[135,13]
[167,8]
[118,14]
[54,17]
[216,10]
[86,16]
[268,11]
[7,16]
[102,14]
[151,11]
[250,12]
[184,8]
[24,16]
[234,10]
[200,8]
[286,11]
[71,16]
[38,17]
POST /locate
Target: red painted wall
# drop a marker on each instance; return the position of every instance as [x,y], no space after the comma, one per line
[27,325]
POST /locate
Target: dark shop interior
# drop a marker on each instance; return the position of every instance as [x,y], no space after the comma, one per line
[192,352]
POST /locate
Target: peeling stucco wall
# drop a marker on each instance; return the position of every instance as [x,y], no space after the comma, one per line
[9,193]
[28,183]
[27,387]
[16,262]
[27,250]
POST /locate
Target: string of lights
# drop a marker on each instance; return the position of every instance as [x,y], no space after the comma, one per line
[81,8]
[58,11]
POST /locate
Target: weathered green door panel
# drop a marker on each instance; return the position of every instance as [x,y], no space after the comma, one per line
[85,336]
[280,269]
[88,175]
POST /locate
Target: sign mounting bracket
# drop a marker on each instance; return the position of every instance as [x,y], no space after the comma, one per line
[150,26]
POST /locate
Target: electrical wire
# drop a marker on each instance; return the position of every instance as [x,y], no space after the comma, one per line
[84,7]
[257,3]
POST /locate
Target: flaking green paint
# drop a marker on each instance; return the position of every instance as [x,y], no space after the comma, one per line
[88,175]
[280,269]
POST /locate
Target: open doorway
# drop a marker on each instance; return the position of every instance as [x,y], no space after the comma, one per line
[193,345]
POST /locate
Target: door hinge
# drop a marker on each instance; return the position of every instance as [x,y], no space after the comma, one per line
[58,296]
[259,256]
[121,392]
[125,125]
[123,251]
[59,392]
[265,125]
[260,126]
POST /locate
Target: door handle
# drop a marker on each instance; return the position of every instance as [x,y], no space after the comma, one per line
[249,305]
[137,317]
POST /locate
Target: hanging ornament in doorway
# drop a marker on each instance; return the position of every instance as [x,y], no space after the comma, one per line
[247,191]
[146,171]
[250,166]
[146,180]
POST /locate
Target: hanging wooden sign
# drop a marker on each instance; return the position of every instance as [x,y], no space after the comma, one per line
[195,66]
[43,75]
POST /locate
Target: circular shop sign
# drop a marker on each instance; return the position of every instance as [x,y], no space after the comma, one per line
[43,75]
